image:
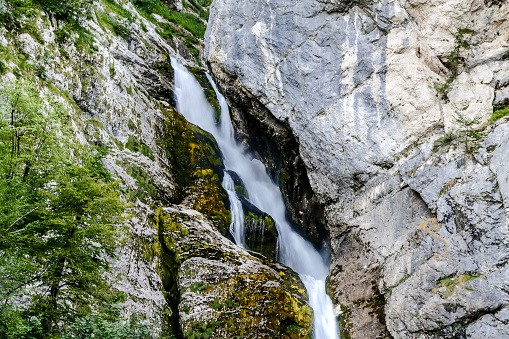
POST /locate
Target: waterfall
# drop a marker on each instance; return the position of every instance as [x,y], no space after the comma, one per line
[293,250]
[237,213]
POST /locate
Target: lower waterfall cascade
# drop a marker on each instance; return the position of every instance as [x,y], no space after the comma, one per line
[293,250]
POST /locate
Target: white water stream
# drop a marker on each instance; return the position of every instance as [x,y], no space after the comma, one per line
[294,251]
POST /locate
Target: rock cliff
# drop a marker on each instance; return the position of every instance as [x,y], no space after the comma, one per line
[397,108]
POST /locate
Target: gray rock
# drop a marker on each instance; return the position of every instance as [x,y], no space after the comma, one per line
[423,226]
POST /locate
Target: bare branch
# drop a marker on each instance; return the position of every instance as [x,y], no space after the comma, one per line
[8,228]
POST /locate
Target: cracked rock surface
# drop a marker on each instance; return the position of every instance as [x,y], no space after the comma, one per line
[418,226]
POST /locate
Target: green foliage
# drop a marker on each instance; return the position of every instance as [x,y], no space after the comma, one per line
[201,330]
[145,185]
[186,20]
[68,10]
[447,139]
[205,3]
[451,284]
[108,324]
[114,25]
[3,68]
[499,112]
[190,43]
[454,62]
[59,214]
[70,15]
[132,126]
[217,305]
[116,18]
[253,217]
[469,135]
[198,287]
[204,14]
[112,6]
[166,31]
[135,145]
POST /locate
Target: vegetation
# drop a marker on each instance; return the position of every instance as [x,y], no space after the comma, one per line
[145,186]
[454,62]
[202,329]
[70,15]
[135,145]
[188,21]
[467,133]
[60,213]
[451,284]
[445,140]
[499,111]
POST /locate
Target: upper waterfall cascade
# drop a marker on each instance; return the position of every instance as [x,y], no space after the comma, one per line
[294,251]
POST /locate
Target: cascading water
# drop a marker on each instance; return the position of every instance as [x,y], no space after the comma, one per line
[237,213]
[294,251]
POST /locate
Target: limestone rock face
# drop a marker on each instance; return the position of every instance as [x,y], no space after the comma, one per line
[372,90]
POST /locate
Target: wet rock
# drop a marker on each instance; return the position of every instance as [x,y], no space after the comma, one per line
[223,290]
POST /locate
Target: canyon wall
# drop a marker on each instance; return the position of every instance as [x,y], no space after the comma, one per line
[398,108]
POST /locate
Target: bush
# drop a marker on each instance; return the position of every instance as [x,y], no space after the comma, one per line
[188,21]
[69,10]
[498,113]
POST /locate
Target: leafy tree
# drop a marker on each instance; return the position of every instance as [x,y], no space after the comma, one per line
[107,324]
[59,216]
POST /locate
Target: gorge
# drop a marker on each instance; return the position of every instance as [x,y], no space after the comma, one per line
[311,169]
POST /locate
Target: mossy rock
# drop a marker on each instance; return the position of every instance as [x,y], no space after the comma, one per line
[197,168]
[260,232]
[224,291]
[260,229]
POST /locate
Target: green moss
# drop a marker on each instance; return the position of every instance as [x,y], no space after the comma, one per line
[196,161]
[451,284]
[261,233]
[344,326]
[241,191]
[250,216]
[169,266]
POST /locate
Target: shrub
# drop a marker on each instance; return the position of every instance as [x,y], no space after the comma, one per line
[498,113]
[188,21]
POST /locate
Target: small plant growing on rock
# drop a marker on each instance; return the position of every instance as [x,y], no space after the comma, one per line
[467,132]
[499,111]
[454,62]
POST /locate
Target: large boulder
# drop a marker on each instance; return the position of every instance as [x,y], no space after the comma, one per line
[222,291]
